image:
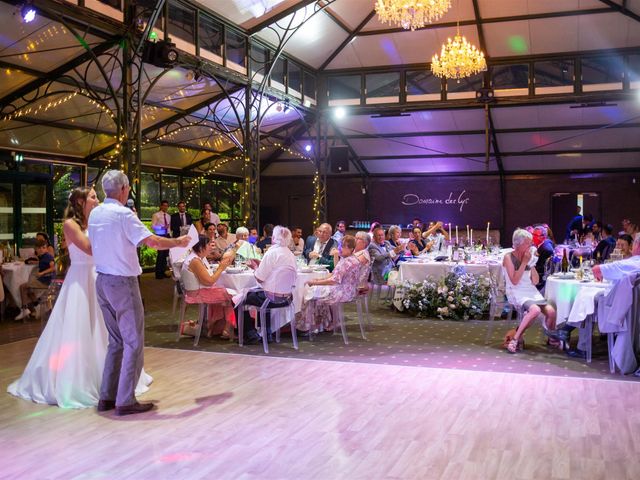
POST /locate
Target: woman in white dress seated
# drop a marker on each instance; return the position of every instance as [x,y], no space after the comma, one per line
[66,366]
[521,278]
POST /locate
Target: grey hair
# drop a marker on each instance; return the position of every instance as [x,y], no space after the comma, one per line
[113,181]
[242,231]
[519,236]
[542,230]
[393,229]
[364,236]
[281,236]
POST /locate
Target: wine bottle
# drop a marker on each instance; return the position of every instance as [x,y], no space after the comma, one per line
[565,262]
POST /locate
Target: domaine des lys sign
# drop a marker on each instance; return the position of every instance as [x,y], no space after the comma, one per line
[454,199]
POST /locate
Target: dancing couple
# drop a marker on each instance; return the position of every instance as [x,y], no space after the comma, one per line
[73,364]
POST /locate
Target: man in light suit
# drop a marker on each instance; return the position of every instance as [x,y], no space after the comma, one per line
[181,218]
[317,249]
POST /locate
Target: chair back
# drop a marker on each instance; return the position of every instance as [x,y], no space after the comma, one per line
[363,278]
[27,252]
[606,251]
[189,281]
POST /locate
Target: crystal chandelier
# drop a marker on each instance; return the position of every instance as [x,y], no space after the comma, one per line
[411,14]
[458,59]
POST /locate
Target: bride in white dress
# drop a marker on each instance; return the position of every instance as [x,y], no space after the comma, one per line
[66,366]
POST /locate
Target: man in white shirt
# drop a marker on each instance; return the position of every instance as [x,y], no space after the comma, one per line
[297,243]
[276,257]
[616,270]
[160,223]
[341,228]
[115,233]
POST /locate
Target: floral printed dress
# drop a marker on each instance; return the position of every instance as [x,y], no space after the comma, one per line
[319,297]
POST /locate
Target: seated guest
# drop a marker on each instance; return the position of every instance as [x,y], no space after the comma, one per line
[297,243]
[38,282]
[213,217]
[205,219]
[417,244]
[339,287]
[317,248]
[43,236]
[624,244]
[210,231]
[606,245]
[253,235]
[341,228]
[546,251]
[265,241]
[382,257]
[575,226]
[394,243]
[374,225]
[596,232]
[416,222]
[361,252]
[276,256]
[224,239]
[521,280]
[616,270]
[199,283]
[550,234]
[244,249]
[629,228]
[437,235]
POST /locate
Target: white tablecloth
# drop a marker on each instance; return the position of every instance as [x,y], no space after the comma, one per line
[15,274]
[417,272]
[572,299]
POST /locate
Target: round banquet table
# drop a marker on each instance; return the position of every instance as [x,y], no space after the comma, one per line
[15,274]
[573,299]
[418,271]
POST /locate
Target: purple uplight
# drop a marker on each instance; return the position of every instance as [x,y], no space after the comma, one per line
[307,148]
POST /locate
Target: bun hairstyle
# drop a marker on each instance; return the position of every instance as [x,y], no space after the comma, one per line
[201,244]
[75,206]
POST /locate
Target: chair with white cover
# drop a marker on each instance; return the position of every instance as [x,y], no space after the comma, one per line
[285,278]
[27,252]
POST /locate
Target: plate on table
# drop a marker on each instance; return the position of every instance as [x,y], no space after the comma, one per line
[306,270]
[318,268]
[564,276]
[234,270]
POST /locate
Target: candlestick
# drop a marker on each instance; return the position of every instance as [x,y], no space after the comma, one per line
[449,231]
[457,243]
[471,238]
[488,223]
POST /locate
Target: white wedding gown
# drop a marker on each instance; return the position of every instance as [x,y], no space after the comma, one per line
[66,366]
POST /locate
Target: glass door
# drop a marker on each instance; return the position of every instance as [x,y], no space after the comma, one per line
[33,202]
[6,213]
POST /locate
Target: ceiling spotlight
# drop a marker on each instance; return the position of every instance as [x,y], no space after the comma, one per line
[307,148]
[28,14]
[339,113]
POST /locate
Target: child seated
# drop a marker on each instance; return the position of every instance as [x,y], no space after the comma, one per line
[39,281]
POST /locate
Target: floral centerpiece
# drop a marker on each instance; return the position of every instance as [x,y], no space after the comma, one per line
[458,296]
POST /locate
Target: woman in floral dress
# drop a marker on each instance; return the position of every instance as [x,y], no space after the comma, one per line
[339,287]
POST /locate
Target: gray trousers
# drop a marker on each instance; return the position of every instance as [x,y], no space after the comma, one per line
[121,305]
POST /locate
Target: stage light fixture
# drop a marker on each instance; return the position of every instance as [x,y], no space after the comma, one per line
[307,148]
[28,13]
[339,113]
[161,54]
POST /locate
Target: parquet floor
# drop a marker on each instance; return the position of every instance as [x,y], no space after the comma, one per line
[224,416]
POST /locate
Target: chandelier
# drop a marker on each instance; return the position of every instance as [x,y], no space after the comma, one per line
[411,14]
[458,59]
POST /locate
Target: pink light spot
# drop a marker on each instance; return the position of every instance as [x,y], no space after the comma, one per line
[57,360]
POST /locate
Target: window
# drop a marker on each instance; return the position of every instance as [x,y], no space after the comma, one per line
[465,87]
[309,86]
[602,73]
[278,73]
[210,35]
[634,71]
[423,85]
[65,179]
[554,76]
[182,21]
[344,90]
[170,190]
[236,48]
[294,79]
[191,191]
[383,87]
[510,79]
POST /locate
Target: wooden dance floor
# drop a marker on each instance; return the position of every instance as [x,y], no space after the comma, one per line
[224,416]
